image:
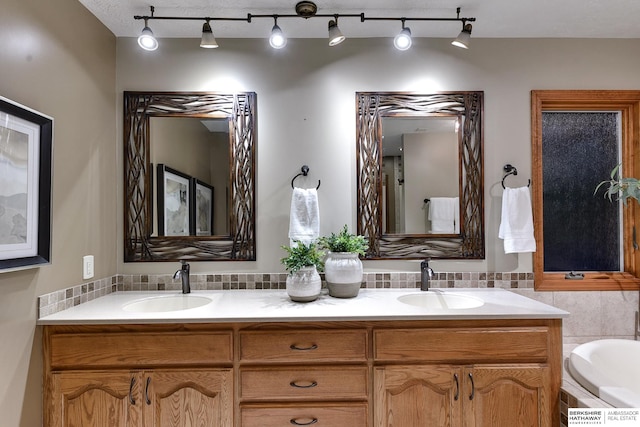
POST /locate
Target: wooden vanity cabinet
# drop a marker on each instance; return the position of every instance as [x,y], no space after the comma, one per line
[137,377]
[498,374]
[445,373]
[451,396]
[304,377]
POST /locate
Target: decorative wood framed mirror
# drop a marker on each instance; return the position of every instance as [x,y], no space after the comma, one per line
[458,175]
[228,122]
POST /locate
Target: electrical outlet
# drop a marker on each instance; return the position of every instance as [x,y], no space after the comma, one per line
[87,266]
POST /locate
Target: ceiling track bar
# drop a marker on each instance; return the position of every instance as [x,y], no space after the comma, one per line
[251,16]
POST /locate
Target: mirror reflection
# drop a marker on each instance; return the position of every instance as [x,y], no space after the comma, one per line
[189,176]
[446,168]
[202,155]
[420,176]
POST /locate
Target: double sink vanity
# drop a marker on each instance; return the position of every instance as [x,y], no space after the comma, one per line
[389,357]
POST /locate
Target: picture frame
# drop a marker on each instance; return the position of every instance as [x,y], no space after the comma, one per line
[202,208]
[174,202]
[26,149]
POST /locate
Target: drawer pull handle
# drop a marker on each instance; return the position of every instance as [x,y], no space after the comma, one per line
[295,422]
[310,385]
[146,391]
[473,387]
[131,399]
[296,348]
[457,395]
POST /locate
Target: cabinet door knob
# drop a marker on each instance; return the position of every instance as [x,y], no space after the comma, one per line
[131,399]
[473,387]
[146,391]
[296,348]
[295,422]
[310,385]
[457,395]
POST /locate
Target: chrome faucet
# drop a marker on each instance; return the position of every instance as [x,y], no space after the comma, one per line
[183,274]
[426,274]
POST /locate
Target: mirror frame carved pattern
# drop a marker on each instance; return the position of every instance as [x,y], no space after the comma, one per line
[240,109]
[371,108]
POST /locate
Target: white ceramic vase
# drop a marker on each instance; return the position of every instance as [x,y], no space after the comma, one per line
[343,273]
[304,285]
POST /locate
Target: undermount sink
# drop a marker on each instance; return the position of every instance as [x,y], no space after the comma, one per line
[434,300]
[167,303]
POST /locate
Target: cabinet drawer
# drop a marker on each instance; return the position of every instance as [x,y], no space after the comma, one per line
[140,349]
[303,383]
[306,415]
[303,346]
[451,345]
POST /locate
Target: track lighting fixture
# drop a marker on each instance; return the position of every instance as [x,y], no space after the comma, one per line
[147,40]
[208,41]
[304,9]
[277,40]
[403,40]
[335,35]
[464,38]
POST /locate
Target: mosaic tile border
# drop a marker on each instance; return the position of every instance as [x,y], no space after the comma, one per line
[66,298]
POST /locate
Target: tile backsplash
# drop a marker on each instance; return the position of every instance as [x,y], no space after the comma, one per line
[69,297]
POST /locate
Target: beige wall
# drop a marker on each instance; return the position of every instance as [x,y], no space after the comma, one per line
[430,162]
[55,57]
[306,99]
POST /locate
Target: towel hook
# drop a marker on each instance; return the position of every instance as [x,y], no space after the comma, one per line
[510,170]
[304,171]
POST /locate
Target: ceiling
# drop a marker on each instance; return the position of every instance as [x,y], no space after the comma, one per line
[495,18]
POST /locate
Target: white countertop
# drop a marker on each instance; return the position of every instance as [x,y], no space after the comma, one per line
[275,306]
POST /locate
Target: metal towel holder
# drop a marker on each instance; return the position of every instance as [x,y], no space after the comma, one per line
[510,170]
[304,171]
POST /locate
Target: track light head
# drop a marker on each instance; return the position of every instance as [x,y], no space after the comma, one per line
[208,41]
[147,40]
[403,40]
[335,35]
[277,40]
[464,38]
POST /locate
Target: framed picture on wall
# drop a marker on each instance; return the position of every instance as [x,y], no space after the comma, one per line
[202,210]
[174,202]
[26,145]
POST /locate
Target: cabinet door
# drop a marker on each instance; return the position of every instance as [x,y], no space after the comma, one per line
[94,399]
[506,396]
[408,396]
[175,398]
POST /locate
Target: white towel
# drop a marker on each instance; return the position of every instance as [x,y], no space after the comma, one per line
[442,211]
[304,220]
[516,226]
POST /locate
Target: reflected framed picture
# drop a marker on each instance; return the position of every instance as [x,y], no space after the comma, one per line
[174,202]
[202,209]
[26,146]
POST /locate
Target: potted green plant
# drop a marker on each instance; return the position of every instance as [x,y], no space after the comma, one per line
[303,263]
[622,188]
[343,268]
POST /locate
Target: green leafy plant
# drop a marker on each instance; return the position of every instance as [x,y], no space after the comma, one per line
[619,187]
[302,255]
[344,242]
